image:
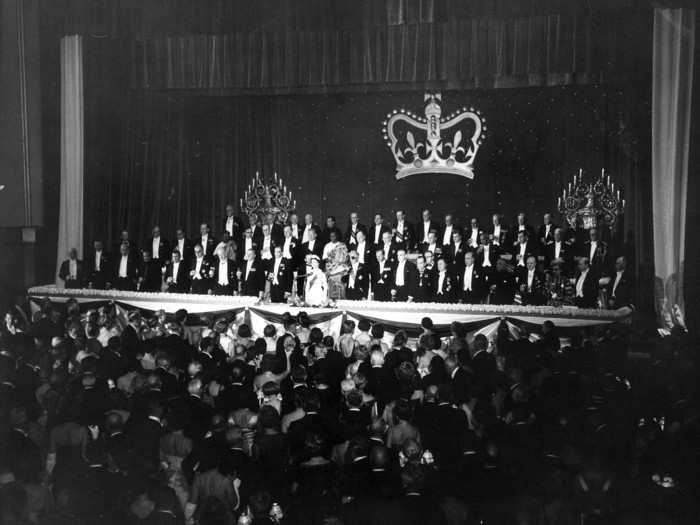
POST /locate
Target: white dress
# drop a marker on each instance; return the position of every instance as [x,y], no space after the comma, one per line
[316,292]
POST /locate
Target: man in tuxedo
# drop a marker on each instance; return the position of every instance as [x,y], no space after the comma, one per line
[201,272]
[365,255]
[597,252]
[160,249]
[280,274]
[445,237]
[381,276]
[521,225]
[622,291]
[177,274]
[487,253]
[471,281]
[559,249]
[232,224]
[124,273]
[473,233]
[531,283]
[545,233]
[357,280]
[150,276]
[72,271]
[427,226]
[499,232]
[523,248]
[389,248]
[456,252]
[276,230]
[313,246]
[403,277]
[206,240]
[430,262]
[98,266]
[377,231]
[308,226]
[225,278]
[290,246]
[586,288]
[423,282]
[404,234]
[183,245]
[444,283]
[331,227]
[125,238]
[431,244]
[502,284]
[267,244]
[247,241]
[353,227]
[252,276]
[296,228]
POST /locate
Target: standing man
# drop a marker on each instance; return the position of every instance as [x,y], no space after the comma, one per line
[98,267]
[444,283]
[252,276]
[280,275]
[150,277]
[428,225]
[71,271]
[176,275]
[531,283]
[381,276]
[471,281]
[545,233]
[201,272]
[364,250]
[357,279]
[232,224]
[124,274]
[353,228]
[622,291]
[207,242]
[403,277]
[224,280]
[160,249]
[474,234]
[183,245]
[586,288]
[423,282]
[376,231]
[404,235]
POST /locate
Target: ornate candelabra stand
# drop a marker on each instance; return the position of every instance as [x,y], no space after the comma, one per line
[591,204]
[262,198]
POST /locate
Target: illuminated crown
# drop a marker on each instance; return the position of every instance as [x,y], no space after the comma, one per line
[434,144]
[262,198]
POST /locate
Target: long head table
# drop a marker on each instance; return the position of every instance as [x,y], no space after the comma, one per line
[394,315]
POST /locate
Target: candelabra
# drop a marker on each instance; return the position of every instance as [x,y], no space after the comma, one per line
[591,204]
[263,198]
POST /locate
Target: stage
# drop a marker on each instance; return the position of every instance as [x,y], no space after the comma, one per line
[477,317]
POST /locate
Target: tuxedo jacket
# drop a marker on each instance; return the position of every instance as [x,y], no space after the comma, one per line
[182,279]
[277,233]
[386,276]
[390,257]
[187,252]
[237,227]
[231,268]
[163,248]
[528,229]
[504,292]
[432,225]
[131,267]
[590,290]
[362,279]
[422,286]
[285,273]
[350,234]
[443,230]
[371,234]
[408,240]
[542,237]
[64,273]
[150,275]
[206,268]
[445,291]
[504,238]
[409,269]
[467,237]
[494,255]
[437,249]
[601,257]
[530,249]
[211,244]
[368,252]
[623,295]
[257,234]
[105,266]
[455,254]
[566,253]
[306,250]
[536,294]
[478,288]
[255,282]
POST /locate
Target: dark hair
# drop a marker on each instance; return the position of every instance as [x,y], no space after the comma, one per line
[364,325]
[378,330]
[269,330]
[328,341]
[403,410]
[427,323]
[244,331]
[269,418]
[316,335]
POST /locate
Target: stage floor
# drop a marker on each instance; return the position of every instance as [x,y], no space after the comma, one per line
[395,314]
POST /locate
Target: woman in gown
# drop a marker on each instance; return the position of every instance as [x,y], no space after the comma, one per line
[316,292]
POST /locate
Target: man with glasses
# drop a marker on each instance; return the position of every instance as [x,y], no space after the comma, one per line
[357,279]
[201,271]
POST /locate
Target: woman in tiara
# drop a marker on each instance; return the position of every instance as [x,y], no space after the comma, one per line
[316,291]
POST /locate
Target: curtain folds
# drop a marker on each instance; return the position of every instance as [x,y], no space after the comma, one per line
[70,220]
[674,43]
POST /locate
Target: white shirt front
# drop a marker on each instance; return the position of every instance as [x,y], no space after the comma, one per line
[72,268]
[579,283]
[377,234]
[381,271]
[361,252]
[447,235]
[521,254]
[594,245]
[497,234]
[432,247]
[98,260]
[521,227]
[387,249]
[468,273]
[223,273]
[441,281]
[203,242]
[398,279]
[487,257]
[399,227]
[276,270]
[474,237]
[547,227]
[248,268]
[229,225]
[530,278]
[295,231]
[287,248]
[353,232]
[305,236]
[155,248]
[618,277]
[122,265]
[426,230]
[247,244]
[198,268]
[311,245]
[266,252]
[176,267]
[353,274]
[557,249]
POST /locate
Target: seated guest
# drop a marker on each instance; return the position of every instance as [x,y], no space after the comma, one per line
[150,276]
[332,244]
[531,283]
[389,248]
[596,251]
[545,233]
[98,267]
[404,235]
[381,277]
[523,248]
[159,247]
[364,249]
[357,279]
[502,284]
[403,277]
[281,277]
[266,243]
[331,227]
[124,273]
[622,291]
[423,282]
[207,242]
[183,245]
[472,281]
[353,227]
[428,225]
[559,289]
[521,225]
[473,233]
[201,272]
[252,276]
[176,275]
[487,253]
[498,233]
[558,249]
[586,289]
[431,244]
[446,232]
[72,272]
[444,283]
[377,230]
[224,281]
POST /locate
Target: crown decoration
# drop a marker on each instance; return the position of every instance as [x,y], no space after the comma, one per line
[264,198]
[591,204]
[418,145]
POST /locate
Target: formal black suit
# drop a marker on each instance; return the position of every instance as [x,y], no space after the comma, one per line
[566,253]
[455,255]
[371,234]
[369,255]
[390,251]
[277,233]
[477,292]
[150,278]
[257,234]
[422,286]
[210,244]
[361,281]
[504,281]
[180,281]
[201,282]
[408,239]
[294,250]
[445,291]
[543,237]
[252,278]
[317,249]
[64,274]
[232,286]
[530,249]
[97,278]
[403,292]
[493,256]
[623,294]
[526,228]
[503,239]
[382,281]
[284,277]
[128,282]
[350,235]
[187,250]
[163,249]
[432,226]
[589,289]
[536,293]
[600,262]
[235,229]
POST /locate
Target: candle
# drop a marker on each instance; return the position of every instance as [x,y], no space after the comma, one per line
[612,187]
[608,180]
[564,193]
[602,173]
[623,203]
[618,194]
[574,179]
[558,202]
[276,177]
[569,187]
